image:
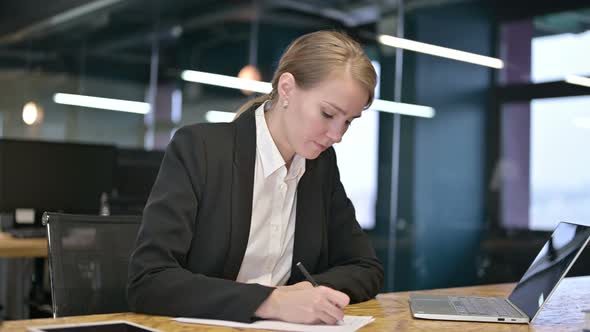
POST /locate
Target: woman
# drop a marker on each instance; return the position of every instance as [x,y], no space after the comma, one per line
[236,205]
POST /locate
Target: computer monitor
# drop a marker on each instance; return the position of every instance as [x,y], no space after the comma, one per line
[135,173]
[49,176]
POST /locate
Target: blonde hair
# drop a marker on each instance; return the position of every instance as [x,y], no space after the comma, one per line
[314,56]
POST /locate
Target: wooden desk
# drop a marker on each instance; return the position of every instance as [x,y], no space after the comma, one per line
[13,247]
[562,313]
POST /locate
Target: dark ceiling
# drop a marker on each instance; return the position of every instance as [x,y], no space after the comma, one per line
[63,35]
[123,33]
[121,24]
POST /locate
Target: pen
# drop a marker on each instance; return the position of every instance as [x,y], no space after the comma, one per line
[311,280]
[306,274]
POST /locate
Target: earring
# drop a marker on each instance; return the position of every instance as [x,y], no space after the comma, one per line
[285,104]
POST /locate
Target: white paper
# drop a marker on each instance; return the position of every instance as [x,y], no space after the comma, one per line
[349,324]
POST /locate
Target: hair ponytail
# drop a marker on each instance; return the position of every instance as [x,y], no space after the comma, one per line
[254,101]
[313,57]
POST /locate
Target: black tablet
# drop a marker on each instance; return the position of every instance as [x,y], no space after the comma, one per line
[109,326]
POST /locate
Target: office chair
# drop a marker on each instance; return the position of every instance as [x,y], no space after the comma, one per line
[88,258]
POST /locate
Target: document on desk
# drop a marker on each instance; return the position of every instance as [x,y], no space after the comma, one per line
[349,324]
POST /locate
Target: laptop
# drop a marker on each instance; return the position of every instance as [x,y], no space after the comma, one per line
[528,297]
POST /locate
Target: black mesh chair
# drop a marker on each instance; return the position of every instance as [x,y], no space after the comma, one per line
[88,258]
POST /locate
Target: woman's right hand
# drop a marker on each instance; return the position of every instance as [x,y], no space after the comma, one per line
[298,286]
[308,305]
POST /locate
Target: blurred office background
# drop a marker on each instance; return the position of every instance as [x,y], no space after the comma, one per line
[464,196]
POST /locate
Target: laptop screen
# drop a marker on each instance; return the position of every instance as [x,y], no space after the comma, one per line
[549,267]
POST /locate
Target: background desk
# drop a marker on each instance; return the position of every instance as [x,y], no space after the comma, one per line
[12,247]
[563,313]
[16,270]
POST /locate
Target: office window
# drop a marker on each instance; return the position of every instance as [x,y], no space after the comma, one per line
[559,161]
[544,166]
[545,48]
[554,57]
[543,159]
[559,180]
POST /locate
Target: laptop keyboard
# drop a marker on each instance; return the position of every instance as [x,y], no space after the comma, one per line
[483,306]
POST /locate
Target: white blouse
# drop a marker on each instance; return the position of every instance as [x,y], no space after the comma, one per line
[269,253]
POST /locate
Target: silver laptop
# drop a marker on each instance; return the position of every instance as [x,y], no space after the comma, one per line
[528,297]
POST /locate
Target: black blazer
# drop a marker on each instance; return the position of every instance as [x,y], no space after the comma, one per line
[196,224]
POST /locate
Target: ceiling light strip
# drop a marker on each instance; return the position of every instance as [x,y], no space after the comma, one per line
[440,51]
[102,103]
[578,80]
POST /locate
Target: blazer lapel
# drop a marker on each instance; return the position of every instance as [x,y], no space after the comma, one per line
[309,223]
[241,193]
